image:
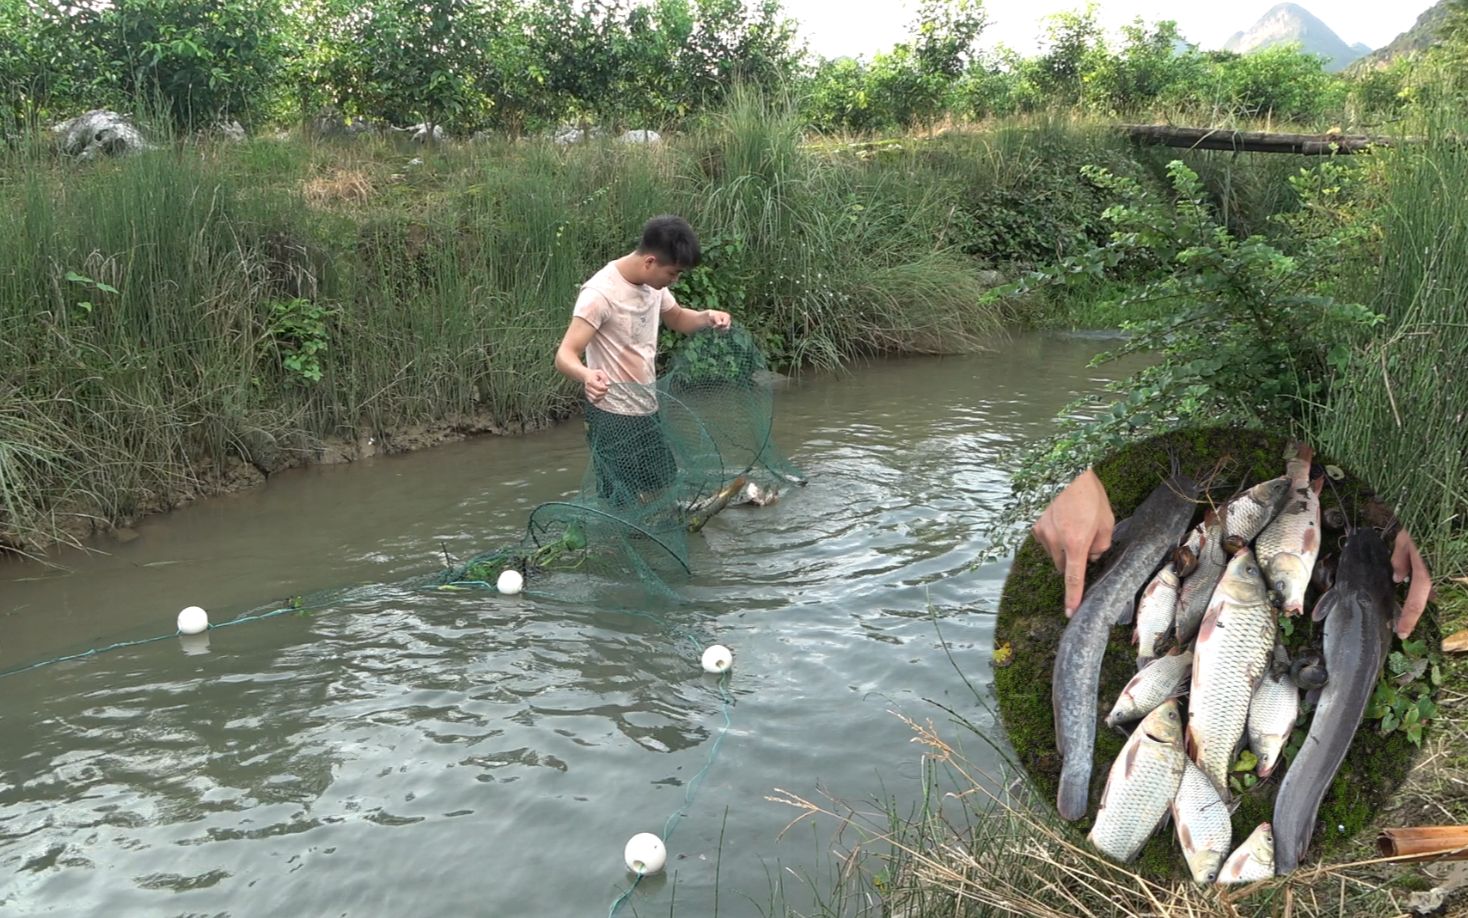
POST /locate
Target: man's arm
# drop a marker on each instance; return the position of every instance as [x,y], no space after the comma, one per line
[688,321]
[568,359]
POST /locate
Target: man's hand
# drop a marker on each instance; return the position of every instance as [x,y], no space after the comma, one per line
[597,383]
[717,319]
[1407,564]
[1074,529]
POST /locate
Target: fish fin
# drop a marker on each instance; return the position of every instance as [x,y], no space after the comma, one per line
[1167,642]
[1210,621]
[1059,733]
[1323,605]
[1070,800]
[1163,821]
[1279,666]
[1131,753]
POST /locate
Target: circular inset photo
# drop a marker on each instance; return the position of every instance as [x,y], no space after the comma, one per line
[1227,699]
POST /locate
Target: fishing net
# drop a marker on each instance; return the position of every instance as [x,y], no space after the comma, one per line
[654,480]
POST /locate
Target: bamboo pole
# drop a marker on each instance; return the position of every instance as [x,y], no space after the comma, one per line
[1449,843]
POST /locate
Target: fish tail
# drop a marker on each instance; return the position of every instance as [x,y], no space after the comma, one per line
[1075,787]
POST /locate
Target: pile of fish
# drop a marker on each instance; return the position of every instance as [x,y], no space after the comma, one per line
[1212,595]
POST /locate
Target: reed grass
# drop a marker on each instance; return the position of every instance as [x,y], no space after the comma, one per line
[154,309]
[1399,405]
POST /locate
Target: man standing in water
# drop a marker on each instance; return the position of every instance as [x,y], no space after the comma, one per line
[614,327]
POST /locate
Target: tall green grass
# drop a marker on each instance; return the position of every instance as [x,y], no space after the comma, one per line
[1399,406]
[156,309]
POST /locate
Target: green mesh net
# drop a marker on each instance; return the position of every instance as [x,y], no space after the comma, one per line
[652,483]
[654,480]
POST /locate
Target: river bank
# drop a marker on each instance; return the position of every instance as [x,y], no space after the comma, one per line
[188,317]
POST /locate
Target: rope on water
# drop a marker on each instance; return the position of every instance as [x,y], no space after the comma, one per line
[297,606]
[726,704]
[726,700]
[84,654]
[119,645]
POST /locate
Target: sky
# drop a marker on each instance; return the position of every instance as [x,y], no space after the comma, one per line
[833,28]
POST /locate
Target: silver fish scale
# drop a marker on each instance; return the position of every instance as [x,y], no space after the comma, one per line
[1203,825]
[1286,533]
[1162,679]
[1272,714]
[1231,657]
[1295,532]
[1137,797]
[1198,587]
[1249,513]
[1155,611]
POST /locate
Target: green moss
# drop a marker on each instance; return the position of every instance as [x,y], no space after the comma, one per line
[1031,622]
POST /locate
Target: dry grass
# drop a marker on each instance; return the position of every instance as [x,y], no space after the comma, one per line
[339,187]
[1016,858]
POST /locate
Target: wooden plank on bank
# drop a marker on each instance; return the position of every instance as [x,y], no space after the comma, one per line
[1251,141]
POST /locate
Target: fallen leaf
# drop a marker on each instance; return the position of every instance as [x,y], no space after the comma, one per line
[1456,643]
[1003,655]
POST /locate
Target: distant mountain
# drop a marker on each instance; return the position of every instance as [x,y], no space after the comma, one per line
[1290,23]
[1420,37]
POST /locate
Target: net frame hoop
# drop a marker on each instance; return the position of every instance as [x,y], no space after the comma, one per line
[585,509]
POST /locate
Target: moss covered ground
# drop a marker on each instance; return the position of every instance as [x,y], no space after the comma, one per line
[1031,621]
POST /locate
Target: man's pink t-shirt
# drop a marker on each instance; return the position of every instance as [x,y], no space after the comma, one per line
[625,316]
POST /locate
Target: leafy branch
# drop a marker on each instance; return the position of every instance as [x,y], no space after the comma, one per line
[1247,342]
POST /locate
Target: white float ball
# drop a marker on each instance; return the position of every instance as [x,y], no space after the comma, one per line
[510,582]
[193,620]
[717,659]
[645,854]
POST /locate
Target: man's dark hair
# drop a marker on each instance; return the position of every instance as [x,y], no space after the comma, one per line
[672,240]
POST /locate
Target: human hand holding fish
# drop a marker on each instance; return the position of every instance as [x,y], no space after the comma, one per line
[1076,528]
[1407,564]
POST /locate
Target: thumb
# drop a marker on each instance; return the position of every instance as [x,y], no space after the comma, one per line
[1075,580]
